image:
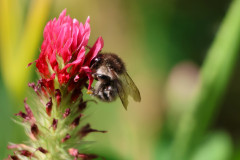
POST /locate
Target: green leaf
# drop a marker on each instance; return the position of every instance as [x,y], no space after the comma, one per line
[214,77]
[217,146]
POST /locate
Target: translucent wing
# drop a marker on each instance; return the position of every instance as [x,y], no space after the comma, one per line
[122,93]
[130,86]
[125,86]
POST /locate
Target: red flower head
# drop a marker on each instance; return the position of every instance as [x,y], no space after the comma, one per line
[55,118]
[63,50]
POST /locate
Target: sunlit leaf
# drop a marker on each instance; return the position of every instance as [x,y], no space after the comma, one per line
[218,146]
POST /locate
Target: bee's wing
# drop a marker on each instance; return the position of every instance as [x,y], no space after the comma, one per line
[121,89]
[130,86]
[122,93]
[126,86]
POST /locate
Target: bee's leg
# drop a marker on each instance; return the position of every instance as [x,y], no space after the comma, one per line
[86,86]
[94,75]
[98,87]
[98,90]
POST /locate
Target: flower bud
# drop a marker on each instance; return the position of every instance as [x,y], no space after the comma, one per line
[54,124]
[58,96]
[44,151]
[67,112]
[49,107]
[87,129]
[34,130]
[13,158]
[25,153]
[66,138]
[76,121]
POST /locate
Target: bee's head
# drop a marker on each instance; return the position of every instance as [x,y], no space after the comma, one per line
[96,62]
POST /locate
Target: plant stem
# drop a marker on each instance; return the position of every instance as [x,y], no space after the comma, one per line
[214,77]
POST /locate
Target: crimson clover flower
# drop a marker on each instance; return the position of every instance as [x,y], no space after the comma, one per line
[63,50]
[53,122]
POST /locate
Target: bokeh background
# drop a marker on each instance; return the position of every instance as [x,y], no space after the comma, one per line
[164,45]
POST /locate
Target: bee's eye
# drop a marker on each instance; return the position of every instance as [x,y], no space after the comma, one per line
[95,61]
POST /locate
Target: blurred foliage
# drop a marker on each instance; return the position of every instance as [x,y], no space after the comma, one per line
[214,77]
[219,144]
[20,39]
[10,131]
[162,44]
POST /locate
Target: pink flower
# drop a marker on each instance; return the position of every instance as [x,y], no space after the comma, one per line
[63,50]
[58,107]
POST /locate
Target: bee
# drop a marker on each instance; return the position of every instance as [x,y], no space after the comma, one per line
[112,79]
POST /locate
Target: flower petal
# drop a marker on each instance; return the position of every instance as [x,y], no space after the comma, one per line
[76,64]
[88,72]
[94,51]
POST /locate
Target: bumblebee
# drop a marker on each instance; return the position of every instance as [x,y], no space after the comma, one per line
[112,79]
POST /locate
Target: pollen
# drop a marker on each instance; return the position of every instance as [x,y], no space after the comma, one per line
[89,92]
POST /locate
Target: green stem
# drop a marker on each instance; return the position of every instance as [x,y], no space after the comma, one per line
[214,77]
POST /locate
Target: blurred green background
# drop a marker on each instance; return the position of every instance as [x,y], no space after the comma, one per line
[190,93]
